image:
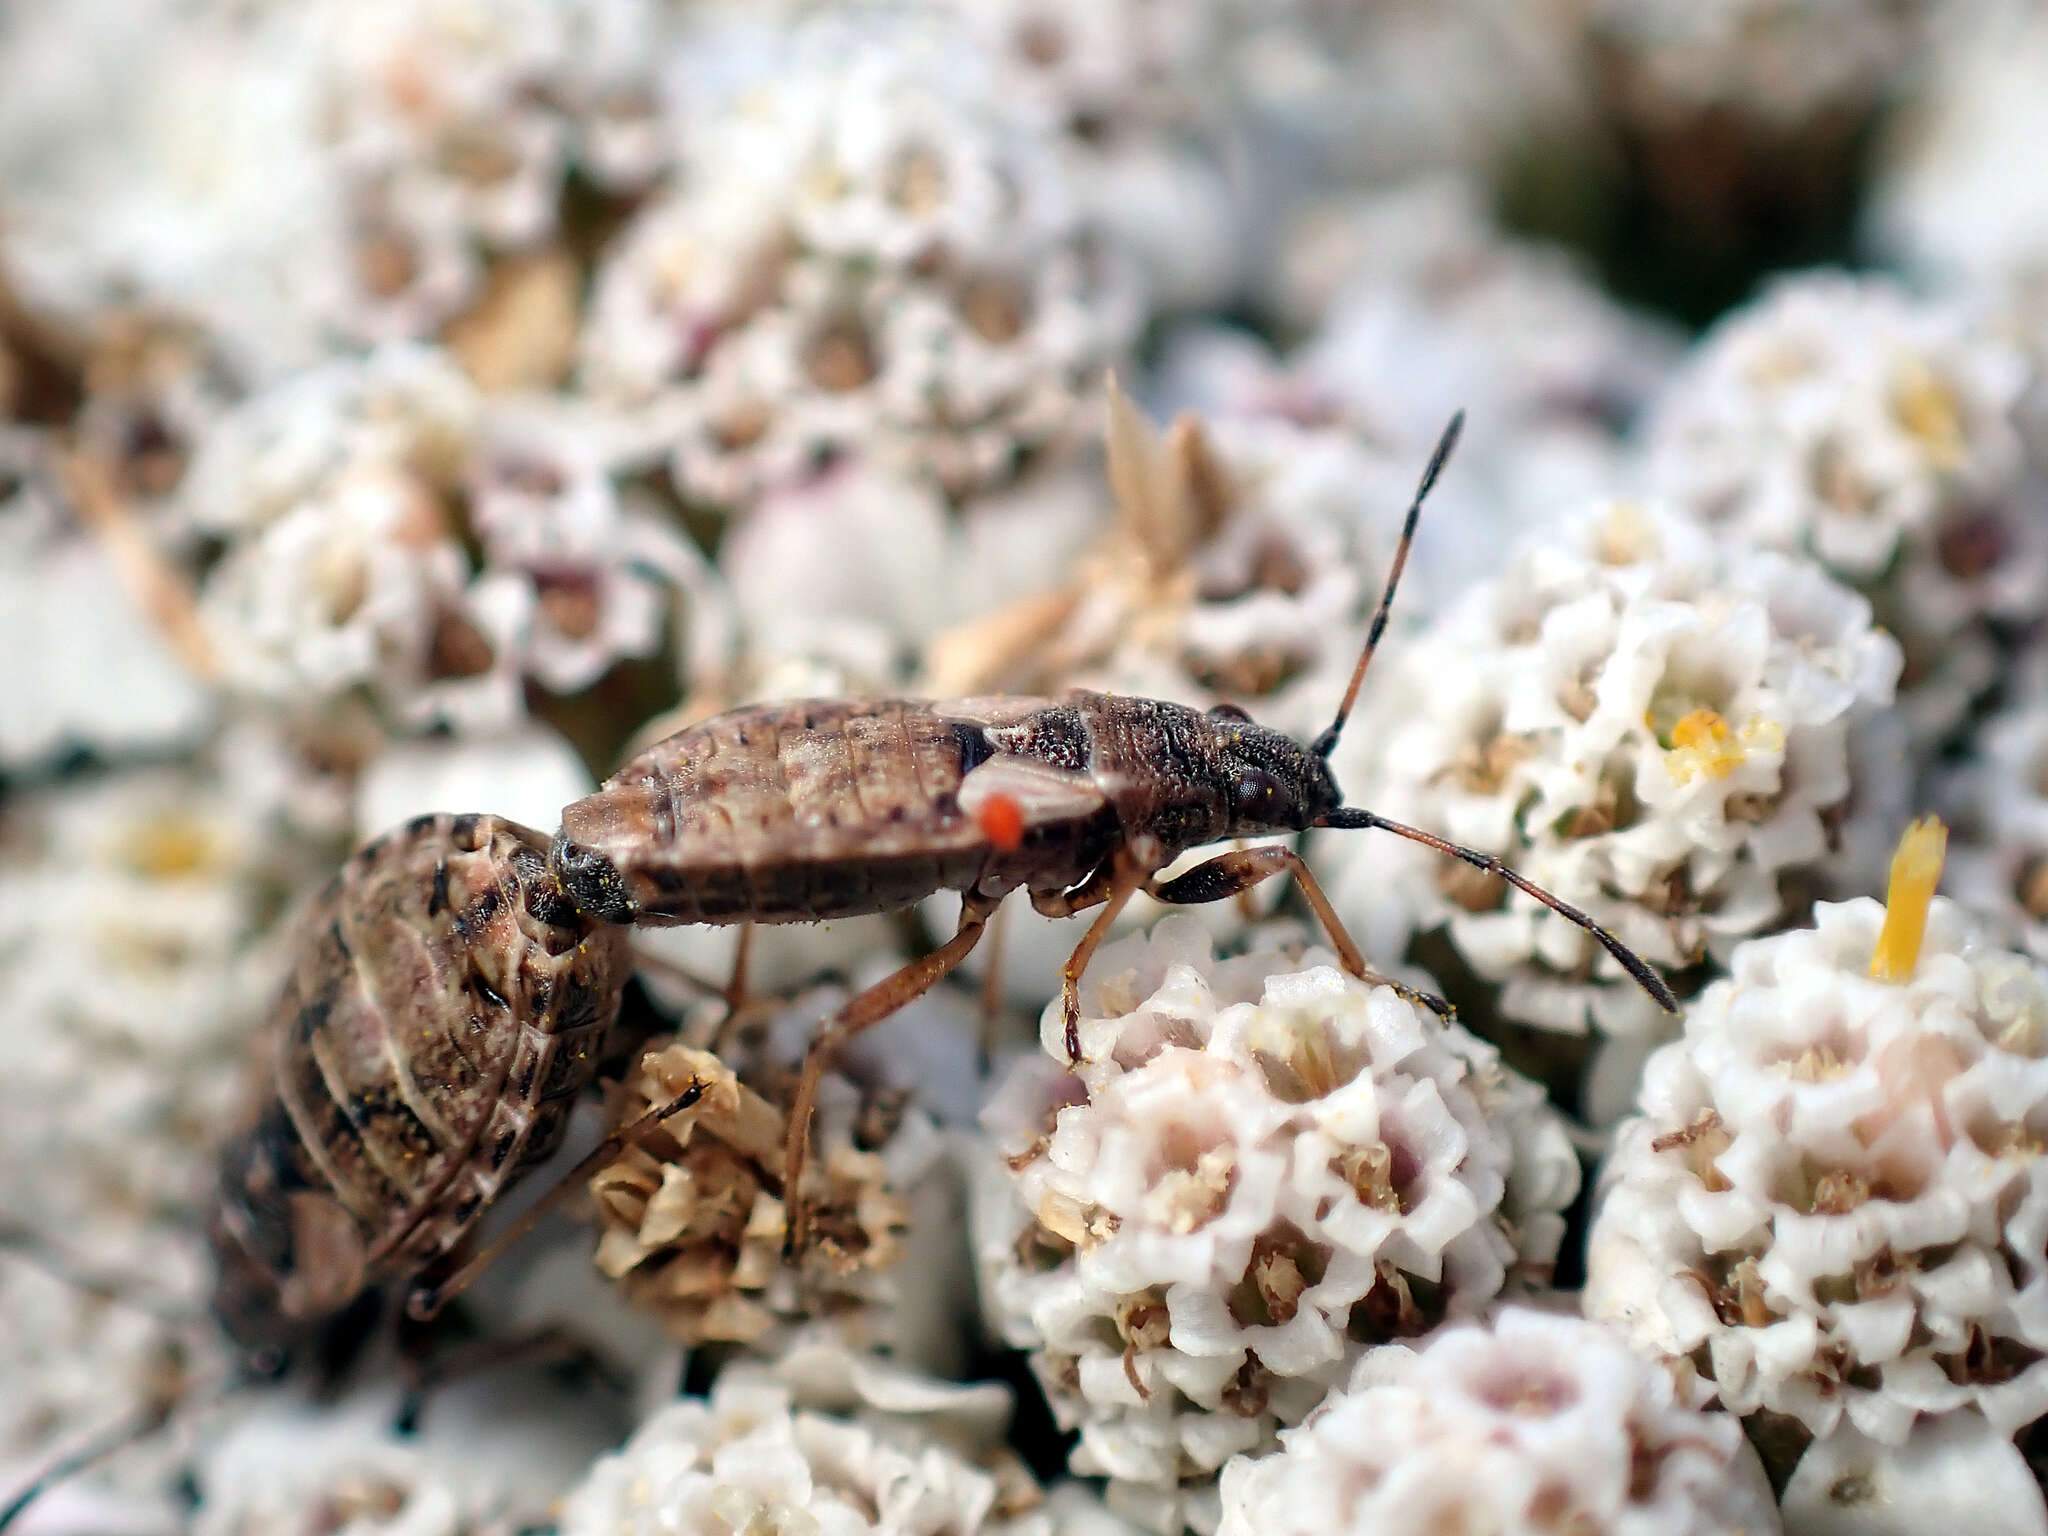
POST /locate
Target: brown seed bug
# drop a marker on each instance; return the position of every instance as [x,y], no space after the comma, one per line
[802,811]
[445,1008]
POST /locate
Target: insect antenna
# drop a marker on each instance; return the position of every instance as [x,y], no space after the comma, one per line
[1356,818]
[1326,743]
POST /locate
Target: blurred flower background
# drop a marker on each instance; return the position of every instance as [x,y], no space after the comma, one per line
[413,405]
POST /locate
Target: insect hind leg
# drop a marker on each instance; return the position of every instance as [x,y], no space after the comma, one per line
[862,1011]
[1227,874]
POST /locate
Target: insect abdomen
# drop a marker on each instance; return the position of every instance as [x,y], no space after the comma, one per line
[446,1007]
[780,813]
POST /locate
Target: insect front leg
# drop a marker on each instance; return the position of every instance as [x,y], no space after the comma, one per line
[863,1009]
[1242,868]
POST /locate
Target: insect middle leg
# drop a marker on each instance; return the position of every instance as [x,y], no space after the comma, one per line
[864,1009]
[1111,887]
[991,991]
[1242,868]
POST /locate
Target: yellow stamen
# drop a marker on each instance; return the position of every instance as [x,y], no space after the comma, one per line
[1916,870]
[1701,743]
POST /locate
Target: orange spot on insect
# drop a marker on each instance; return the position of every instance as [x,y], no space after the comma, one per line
[1002,822]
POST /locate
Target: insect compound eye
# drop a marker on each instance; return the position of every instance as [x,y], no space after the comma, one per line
[1258,793]
[1228,712]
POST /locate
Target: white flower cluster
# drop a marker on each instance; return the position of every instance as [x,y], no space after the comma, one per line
[1274,589]
[454,126]
[1385,268]
[489,1453]
[1254,1171]
[1946,207]
[1653,723]
[1136,99]
[1532,1422]
[346,497]
[1415,304]
[2001,863]
[1834,1203]
[750,1459]
[868,251]
[1841,418]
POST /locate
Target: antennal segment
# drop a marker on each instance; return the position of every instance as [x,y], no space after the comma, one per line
[1326,743]
[1638,968]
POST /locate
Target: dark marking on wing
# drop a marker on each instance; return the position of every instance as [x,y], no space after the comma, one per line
[437,901]
[975,747]
[578,1007]
[479,913]
[312,1015]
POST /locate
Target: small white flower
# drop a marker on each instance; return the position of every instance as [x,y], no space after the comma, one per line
[589,578]
[402,406]
[348,587]
[1534,1422]
[481,103]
